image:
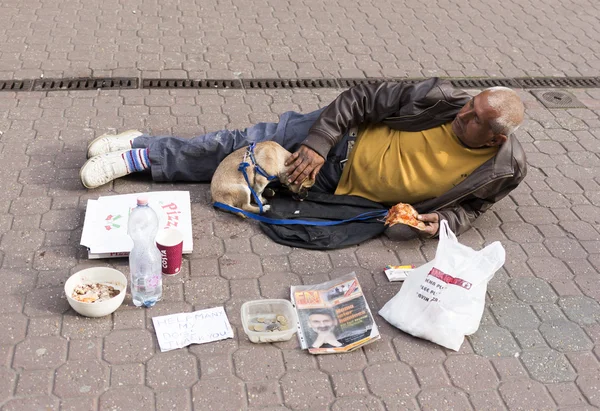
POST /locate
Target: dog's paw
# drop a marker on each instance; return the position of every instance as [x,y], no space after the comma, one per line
[266,208]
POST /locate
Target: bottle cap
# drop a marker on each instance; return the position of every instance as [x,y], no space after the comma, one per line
[142,200]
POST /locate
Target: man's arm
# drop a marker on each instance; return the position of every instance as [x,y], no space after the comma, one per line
[365,103]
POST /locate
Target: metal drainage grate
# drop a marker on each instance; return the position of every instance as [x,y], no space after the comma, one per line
[484,83]
[15,85]
[274,83]
[557,99]
[190,84]
[85,84]
[566,82]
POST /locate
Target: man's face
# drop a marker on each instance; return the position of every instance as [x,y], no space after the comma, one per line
[321,323]
[472,124]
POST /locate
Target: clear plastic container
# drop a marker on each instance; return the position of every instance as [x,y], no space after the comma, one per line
[265,314]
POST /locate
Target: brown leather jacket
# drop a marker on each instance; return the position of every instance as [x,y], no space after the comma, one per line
[416,107]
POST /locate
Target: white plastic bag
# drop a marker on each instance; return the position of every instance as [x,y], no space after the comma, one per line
[443,300]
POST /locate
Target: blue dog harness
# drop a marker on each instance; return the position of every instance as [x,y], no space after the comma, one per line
[257,169]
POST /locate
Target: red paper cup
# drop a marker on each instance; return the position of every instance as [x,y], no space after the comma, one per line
[170,243]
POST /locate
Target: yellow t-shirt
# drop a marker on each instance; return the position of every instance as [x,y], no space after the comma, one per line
[391,166]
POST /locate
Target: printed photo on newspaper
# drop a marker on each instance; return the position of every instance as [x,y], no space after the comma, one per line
[333,317]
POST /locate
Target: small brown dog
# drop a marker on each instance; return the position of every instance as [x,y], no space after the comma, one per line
[228,185]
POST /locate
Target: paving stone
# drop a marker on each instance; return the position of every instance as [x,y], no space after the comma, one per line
[170,370]
[78,404]
[548,366]
[81,378]
[40,353]
[299,360]
[529,339]
[176,399]
[492,341]
[127,398]
[414,351]
[584,362]
[277,284]
[431,375]
[32,403]
[548,312]
[394,383]
[440,398]
[264,394]
[127,374]
[305,262]
[515,315]
[85,349]
[523,233]
[471,372]
[79,327]
[361,402]
[31,383]
[228,392]
[263,246]
[7,382]
[306,389]
[548,268]
[525,394]
[14,328]
[55,258]
[206,290]
[581,310]
[565,248]
[353,361]
[589,284]
[349,383]
[129,319]
[216,366]
[588,384]
[235,266]
[532,290]
[509,368]
[566,394]
[258,363]
[565,336]
[128,346]
[22,240]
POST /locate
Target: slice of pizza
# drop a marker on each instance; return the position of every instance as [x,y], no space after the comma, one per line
[403,213]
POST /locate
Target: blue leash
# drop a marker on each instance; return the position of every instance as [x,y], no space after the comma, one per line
[361,217]
[257,169]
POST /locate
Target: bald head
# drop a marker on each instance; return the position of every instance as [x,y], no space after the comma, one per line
[509,108]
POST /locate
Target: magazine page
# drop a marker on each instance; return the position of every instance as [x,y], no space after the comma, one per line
[333,317]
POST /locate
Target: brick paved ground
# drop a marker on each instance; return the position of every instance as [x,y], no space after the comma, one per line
[304,38]
[537,347]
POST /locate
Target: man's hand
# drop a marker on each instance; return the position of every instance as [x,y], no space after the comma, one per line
[304,163]
[432,222]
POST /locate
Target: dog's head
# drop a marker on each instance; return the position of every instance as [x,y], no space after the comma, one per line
[301,190]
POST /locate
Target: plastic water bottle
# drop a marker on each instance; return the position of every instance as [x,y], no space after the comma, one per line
[144,259]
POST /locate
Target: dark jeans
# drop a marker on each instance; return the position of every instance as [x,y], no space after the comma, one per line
[197,158]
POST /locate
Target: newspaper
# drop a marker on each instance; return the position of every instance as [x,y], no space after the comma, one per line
[333,317]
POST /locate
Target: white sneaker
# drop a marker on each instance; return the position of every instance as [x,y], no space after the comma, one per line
[103,169]
[107,143]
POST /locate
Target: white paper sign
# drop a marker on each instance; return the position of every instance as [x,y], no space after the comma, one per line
[180,330]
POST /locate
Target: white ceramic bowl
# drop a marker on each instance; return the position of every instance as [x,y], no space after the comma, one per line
[104,275]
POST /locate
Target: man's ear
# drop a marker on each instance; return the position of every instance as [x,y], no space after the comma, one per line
[497,140]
